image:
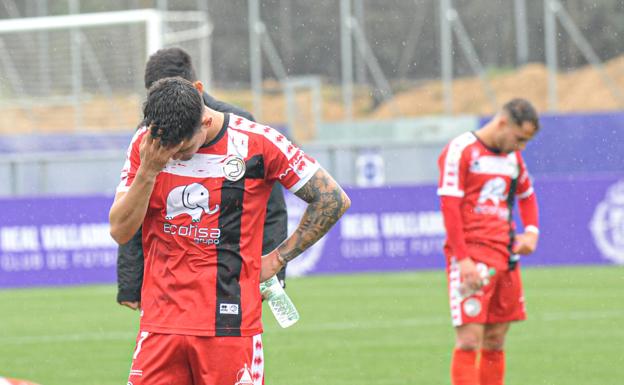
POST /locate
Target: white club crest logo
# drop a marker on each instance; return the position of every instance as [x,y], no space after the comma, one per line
[233,168]
[243,377]
[494,190]
[192,199]
[607,225]
[472,307]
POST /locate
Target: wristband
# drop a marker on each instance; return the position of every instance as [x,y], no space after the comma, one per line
[532,229]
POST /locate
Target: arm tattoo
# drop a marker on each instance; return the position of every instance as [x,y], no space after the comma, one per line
[326,204]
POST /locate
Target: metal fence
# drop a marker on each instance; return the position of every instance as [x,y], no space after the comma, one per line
[97,172]
[377,45]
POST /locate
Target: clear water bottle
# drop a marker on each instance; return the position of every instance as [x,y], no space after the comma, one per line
[485,273]
[282,307]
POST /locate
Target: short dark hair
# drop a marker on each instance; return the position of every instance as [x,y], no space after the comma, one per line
[520,111]
[169,62]
[174,110]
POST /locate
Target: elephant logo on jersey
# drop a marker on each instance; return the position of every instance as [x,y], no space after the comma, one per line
[493,190]
[192,199]
[607,224]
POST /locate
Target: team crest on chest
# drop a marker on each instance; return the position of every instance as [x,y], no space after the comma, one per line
[233,168]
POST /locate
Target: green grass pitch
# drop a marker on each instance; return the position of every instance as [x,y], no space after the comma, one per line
[377,329]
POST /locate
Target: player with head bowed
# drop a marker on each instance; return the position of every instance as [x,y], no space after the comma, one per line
[481,175]
[169,62]
[201,304]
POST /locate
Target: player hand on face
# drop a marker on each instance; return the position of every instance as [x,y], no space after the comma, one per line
[154,156]
[525,243]
[469,275]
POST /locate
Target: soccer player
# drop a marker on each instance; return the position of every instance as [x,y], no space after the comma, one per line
[198,181]
[168,62]
[481,173]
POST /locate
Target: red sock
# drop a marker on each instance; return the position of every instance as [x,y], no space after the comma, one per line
[464,367]
[492,367]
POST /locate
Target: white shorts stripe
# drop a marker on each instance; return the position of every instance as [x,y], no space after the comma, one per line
[257,360]
[454,297]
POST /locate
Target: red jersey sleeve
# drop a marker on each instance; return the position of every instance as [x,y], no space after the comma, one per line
[285,162]
[527,201]
[133,160]
[525,184]
[451,213]
[453,167]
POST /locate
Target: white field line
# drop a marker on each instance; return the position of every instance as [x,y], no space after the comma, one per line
[76,337]
[314,328]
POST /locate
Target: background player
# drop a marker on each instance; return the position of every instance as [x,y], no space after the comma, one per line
[164,63]
[480,175]
[198,180]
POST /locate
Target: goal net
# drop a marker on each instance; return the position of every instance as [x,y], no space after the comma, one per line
[84,72]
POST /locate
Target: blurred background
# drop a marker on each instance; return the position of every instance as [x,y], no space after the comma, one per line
[372,89]
[400,77]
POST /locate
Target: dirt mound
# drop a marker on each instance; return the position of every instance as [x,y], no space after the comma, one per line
[580,90]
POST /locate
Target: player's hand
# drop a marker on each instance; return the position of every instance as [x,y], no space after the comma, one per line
[154,156]
[134,305]
[469,275]
[271,264]
[525,243]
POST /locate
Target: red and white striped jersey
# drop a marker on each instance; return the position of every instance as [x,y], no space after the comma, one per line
[483,178]
[202,233]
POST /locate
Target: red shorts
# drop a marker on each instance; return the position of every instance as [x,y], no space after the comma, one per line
[172,359]
[501,300]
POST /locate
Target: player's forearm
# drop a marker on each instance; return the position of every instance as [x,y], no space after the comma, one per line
[128,211]
[529,213]
[451,212]
[327,202]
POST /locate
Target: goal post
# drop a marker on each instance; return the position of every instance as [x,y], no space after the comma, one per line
[151,17]
[85,71]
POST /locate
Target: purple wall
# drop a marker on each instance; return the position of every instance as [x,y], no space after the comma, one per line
[389,229]
[59,241]
[577,143]
[55,241]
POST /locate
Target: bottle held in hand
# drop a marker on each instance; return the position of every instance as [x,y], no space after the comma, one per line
[485,273]
[282,307]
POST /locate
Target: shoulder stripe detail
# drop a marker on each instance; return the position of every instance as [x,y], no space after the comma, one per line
[238,143]
[123,183]
[309,172]
[452,160]
[271,134]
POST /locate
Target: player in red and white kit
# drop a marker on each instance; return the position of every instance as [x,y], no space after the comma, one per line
[481,175]
[198,181]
